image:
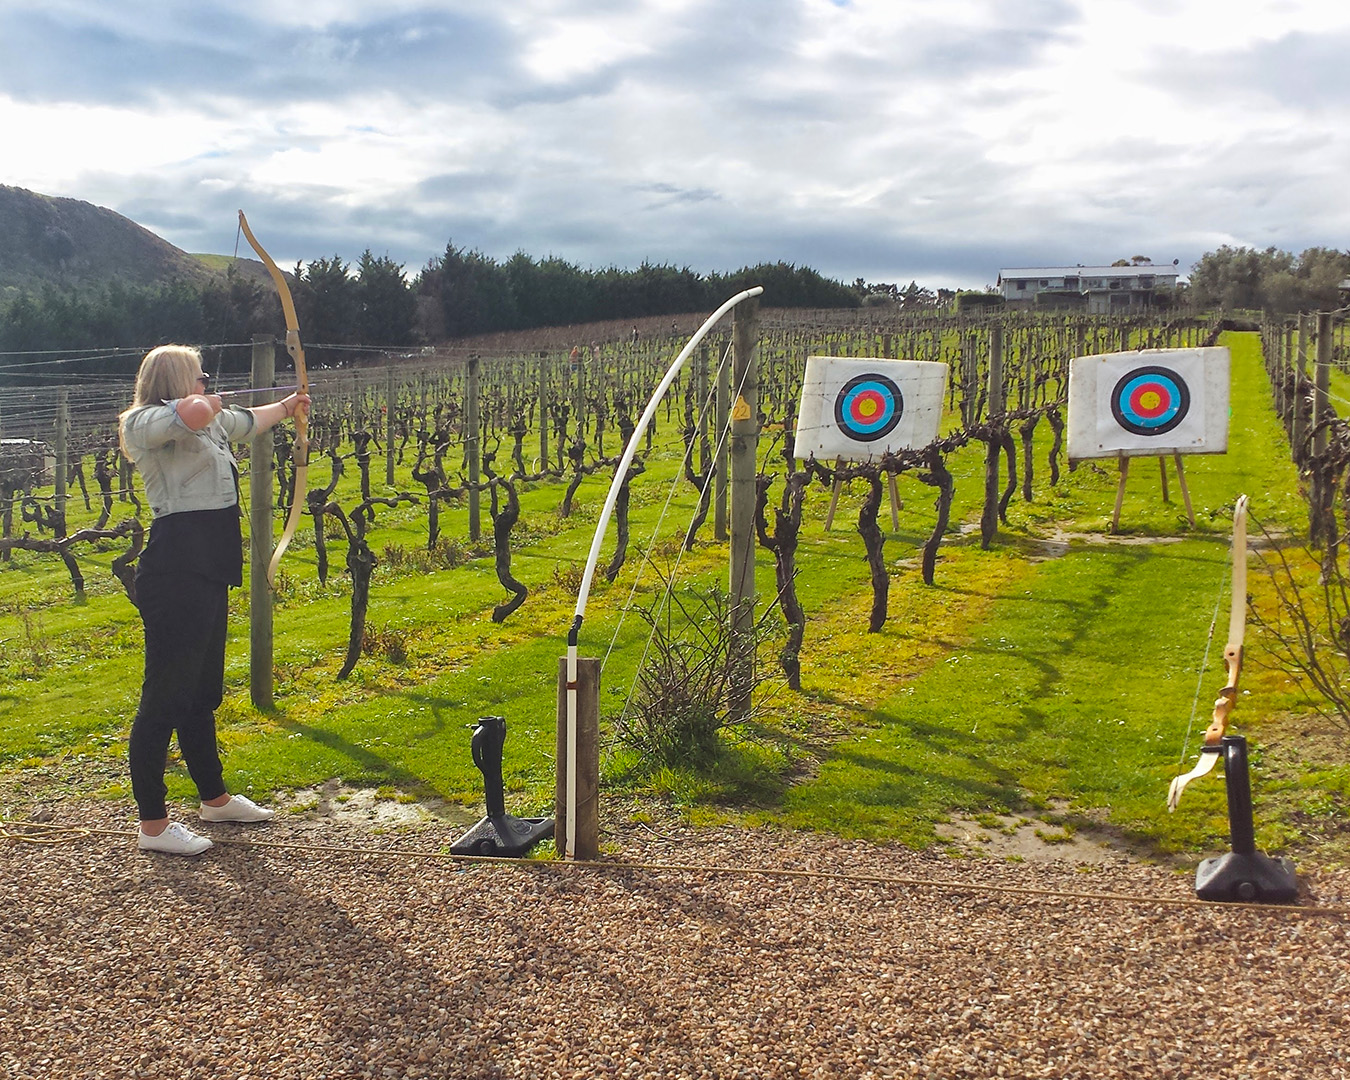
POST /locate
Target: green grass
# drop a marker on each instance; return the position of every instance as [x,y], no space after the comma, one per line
[1063,693]
[1049,675]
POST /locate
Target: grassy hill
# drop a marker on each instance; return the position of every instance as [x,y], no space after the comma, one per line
[74,245]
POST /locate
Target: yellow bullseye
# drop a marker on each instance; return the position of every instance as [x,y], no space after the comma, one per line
[1149,400]
[867,408]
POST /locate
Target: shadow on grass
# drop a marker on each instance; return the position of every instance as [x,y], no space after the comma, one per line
[902,790]
[971,729]
[374,768]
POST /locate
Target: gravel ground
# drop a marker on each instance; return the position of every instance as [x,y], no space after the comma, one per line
[351,954]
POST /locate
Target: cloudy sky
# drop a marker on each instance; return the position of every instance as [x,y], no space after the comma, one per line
[936,140]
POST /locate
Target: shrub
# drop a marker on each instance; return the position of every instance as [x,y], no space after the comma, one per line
[684,694]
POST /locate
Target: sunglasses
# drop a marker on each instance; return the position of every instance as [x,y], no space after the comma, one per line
[203,377]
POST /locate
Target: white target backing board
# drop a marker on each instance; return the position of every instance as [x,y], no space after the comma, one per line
[1154,401]
[859,409]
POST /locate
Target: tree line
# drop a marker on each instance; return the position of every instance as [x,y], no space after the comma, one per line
[463,292]
[376,303]
[1273,281]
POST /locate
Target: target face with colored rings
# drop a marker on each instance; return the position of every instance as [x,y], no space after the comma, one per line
[868,407]
[1150,401]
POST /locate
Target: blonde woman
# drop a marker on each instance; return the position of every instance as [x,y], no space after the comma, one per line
[178,434]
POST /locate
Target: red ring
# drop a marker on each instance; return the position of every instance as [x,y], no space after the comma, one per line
[1164,400]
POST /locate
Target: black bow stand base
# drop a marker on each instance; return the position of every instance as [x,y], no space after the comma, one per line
[499,833]
[1244,874]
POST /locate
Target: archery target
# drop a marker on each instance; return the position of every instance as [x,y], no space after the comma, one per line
[868,407]
[1150,400]
[1154,401]
[858,409]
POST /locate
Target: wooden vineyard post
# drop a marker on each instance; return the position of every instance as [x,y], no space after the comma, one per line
[1321,382]
[1276,336]
[390,401]
[989,517]
[62,454]
[543,410]
[1295,427]
[587,843]
[7,506]
[1285,368]
[260,540]
[744,458]
[1322,496]
[471,450]
[579,399]
[970,367]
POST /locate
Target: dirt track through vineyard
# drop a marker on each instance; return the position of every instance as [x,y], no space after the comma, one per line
[330,951]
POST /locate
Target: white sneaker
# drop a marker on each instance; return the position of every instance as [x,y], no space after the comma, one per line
[237,809]
[177,839]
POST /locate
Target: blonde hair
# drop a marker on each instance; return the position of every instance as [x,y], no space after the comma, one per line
[166,373]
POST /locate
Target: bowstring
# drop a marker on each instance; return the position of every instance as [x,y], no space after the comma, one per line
[245,508]
[1204,663]
[722,436]
[689,450]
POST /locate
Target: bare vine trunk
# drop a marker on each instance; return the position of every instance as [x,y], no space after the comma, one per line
[874,540]
[1027,431]
[1009,448]
[1056,422]
[989,515]
[783,544]
[938,476]
[502,522]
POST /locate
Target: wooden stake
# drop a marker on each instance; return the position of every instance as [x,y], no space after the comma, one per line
[1185,494]
[834,495]
[895,503]
[587,844]
[1120,492]
[1162,468]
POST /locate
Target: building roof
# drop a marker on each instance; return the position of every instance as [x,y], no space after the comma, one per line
[1165,270]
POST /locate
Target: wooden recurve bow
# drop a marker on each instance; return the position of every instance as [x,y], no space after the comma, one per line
[300,448]
[1212,749]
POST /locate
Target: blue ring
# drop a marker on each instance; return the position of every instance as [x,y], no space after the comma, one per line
[885,422]
[1179,401]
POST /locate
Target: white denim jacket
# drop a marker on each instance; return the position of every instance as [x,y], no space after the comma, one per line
[185,469]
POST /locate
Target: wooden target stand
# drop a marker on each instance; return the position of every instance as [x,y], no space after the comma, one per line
[1162,466]
[896,504]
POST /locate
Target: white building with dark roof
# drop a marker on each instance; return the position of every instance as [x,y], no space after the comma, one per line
[1099,290]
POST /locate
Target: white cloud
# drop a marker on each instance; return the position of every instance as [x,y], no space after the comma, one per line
[881,138]
[50,147]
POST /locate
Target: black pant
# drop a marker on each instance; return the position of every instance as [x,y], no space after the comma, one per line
[185,623]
